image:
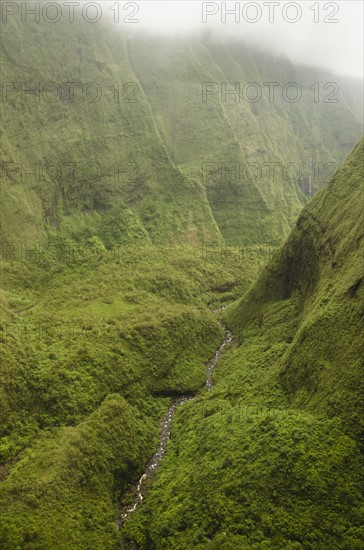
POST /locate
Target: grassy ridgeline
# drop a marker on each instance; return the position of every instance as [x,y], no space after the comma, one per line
[271,458]
[310,297]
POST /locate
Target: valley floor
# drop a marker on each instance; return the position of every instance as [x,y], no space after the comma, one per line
[94,350]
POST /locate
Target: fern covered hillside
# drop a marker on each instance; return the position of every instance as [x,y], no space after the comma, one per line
[272,457]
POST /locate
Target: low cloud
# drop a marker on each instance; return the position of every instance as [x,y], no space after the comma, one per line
[327,34]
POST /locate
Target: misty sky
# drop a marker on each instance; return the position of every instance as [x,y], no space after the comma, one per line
[337,46]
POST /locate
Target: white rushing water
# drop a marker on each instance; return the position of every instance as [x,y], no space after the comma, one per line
[212,364]
[166,432]
[157,457]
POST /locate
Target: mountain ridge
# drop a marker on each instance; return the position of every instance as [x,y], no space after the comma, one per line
[271,457]
[134,150]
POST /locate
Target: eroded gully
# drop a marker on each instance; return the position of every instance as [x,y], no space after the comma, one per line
[140,489]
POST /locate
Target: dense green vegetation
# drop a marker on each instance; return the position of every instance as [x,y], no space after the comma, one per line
[317,283]
[108,280]
[271,458]
[147,160]
[88,345]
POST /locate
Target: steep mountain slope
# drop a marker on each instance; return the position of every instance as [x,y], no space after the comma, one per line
[87,162]
[250,154]
[111,188]
[131,151]
[272,457]
[316,285]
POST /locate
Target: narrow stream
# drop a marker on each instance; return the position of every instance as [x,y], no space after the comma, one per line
[213,362]
[141,486]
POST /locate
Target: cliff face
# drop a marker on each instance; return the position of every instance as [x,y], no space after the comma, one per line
[148,143]
[316,282]
[271,456]
[113,139]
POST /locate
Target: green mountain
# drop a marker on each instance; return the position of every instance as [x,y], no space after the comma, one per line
[133,205]
[313,292]
[272,457]
[119,142]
